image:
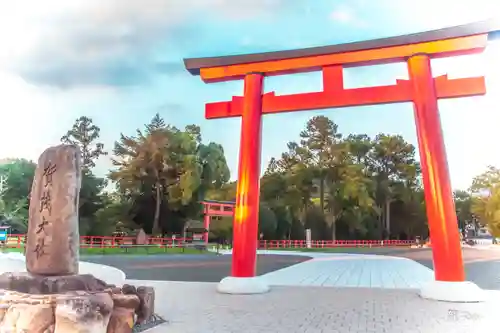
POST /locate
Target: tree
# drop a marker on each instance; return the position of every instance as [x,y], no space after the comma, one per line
[92,199]
[114,216]
[84,135]
[341,180]
[486,201]
[3,184]
[267,222]
[274,194]
[485,191]
[463,206]
[359,147]
[483,184]
[392,161]
[322,149]
[490,211]
[348,182]
[14,215]
[170,165]
[18,177]
[288,187]
[145,164]
[348,195]
[226,192]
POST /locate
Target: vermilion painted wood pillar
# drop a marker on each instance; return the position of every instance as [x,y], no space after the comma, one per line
[206,226]
[246,213]
[443,228]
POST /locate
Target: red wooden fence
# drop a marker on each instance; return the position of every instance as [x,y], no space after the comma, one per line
[273,244]
[17,241]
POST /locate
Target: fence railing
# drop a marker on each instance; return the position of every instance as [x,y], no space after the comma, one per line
[276,244]
[111,241]
[106,241]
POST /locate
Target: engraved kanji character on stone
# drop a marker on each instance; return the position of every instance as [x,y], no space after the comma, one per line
[40,248]
[48,171]
[45,202]
[41,226]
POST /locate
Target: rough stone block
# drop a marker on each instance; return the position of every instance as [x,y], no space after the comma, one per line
[33,318]
[129,289]
[126,301]
[74,311]
[36,284]
[146,308]
[83,314]
[122,320]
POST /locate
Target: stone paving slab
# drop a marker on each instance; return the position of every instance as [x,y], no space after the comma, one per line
[192,307]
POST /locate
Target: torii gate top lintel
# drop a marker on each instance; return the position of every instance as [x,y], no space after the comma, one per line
[469,38]
[459,40]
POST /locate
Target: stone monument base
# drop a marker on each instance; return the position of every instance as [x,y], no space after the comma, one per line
[70,304]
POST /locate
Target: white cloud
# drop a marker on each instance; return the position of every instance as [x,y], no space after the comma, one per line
[25,112]
[33,118]
[342,15]
[346,15]
[45,38]
[432,14]
[80,35]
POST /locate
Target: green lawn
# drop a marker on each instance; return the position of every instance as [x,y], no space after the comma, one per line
[128,250]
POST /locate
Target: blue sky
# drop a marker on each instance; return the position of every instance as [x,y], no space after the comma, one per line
[120,62]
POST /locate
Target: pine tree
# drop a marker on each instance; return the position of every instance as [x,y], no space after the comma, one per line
[84,135]
[157,123]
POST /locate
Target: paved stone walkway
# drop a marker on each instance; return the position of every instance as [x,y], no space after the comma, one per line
[350,270]
[385,299]
[192,307]
[341,270]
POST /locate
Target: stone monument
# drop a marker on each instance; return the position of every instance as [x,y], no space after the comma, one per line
[53,236]
[141,238]
[51,297]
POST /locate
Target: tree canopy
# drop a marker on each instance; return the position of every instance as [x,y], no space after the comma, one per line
[341,186]
[485,199]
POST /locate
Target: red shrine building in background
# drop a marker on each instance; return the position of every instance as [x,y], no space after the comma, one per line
[422,89]
[213,208]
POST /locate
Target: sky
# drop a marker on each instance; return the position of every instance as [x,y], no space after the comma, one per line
[121,61]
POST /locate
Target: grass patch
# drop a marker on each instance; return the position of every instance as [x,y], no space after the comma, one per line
[139,250]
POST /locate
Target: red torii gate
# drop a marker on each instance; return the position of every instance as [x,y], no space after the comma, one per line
[215,208]
[422,89]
